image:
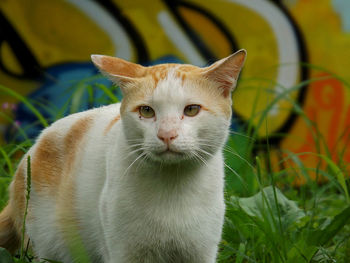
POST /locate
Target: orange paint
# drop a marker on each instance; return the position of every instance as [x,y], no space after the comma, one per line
[329,96]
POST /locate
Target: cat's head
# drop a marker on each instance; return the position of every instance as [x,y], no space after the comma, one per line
[174,112]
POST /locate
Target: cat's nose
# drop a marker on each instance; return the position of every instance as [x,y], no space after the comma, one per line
[167,136]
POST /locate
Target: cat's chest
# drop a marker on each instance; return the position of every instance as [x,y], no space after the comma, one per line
[175,204]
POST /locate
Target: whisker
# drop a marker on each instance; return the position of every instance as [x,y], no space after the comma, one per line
[142,161]
[127,169]
[135,141]
[242,135]
[135,145]
[230,150]
[133,152]
[205,152]
[240,157]
[200,158]
[239,177]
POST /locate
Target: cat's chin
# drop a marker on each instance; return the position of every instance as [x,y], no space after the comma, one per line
[169,156]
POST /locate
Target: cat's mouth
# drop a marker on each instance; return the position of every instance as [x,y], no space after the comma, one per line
[170,151]
[169,155]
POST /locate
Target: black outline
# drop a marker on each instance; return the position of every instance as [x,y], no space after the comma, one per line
[304,75]
[135,36]
[30,65]
[192,34]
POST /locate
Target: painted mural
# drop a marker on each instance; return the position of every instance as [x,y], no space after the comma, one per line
[298,58]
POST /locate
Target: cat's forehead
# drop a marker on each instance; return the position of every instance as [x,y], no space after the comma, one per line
[171,82]
[171,86]
[164,72]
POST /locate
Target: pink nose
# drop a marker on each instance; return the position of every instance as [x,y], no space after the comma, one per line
[167,136]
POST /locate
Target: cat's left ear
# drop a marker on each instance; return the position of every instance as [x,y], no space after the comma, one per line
[118,70]
[226,71]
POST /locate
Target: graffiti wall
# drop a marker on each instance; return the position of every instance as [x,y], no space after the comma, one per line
[298,58]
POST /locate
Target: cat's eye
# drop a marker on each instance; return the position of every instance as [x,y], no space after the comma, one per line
[146,112]
[192,110]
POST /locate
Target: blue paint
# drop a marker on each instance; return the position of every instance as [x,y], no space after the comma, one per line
[55,94]
[165,59]
[342,7]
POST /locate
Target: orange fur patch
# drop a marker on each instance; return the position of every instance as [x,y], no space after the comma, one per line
[73,140]
[111,124]
[72,143]
[53,158]
[47,162]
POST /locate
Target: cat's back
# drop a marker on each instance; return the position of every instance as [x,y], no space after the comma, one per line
[98,120]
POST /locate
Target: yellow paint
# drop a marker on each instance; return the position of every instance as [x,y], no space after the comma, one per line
[208,31]
[58,32]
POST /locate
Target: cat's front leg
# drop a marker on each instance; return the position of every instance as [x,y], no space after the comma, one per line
[140,254]
[105,222]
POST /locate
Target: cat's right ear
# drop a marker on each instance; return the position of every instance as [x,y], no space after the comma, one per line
[120,71]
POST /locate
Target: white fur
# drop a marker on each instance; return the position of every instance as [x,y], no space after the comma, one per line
[135,204]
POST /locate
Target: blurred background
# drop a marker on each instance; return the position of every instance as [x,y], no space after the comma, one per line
[293,94]
[287,159]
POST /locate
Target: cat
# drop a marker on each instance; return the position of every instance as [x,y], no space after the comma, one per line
[137,181]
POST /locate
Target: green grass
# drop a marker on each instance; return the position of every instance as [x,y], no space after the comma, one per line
[267,218]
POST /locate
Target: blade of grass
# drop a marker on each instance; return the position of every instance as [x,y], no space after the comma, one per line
[113,98]
[10,120]
[25,102]
[339,174]
[321,237]
[7,160]
[29,181]
[77,96]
